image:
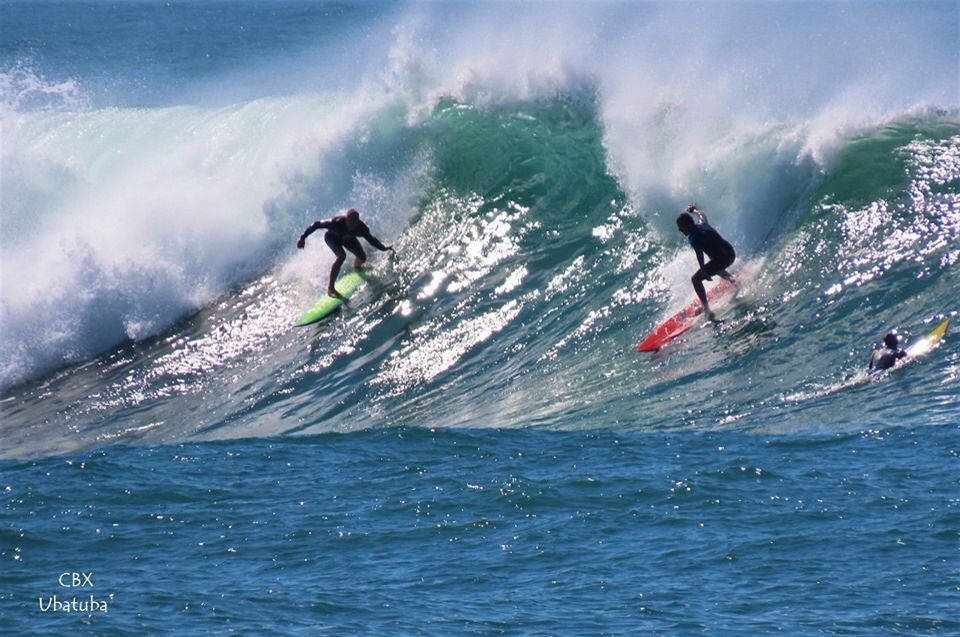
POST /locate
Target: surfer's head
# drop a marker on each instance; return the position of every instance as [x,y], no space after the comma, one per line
[892,339]
[353,218]
[685,223]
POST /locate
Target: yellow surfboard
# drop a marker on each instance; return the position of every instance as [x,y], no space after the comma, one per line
[928,342]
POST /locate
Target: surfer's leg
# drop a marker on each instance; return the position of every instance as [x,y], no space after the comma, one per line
[353,245]
[722,268]
[728,277]
[334,245]
[697,280]
[334,271]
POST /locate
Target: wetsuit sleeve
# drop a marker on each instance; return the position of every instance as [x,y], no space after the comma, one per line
[699,255]
[316,225]
[372,240]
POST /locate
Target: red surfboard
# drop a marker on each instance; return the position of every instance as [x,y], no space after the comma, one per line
[681,321]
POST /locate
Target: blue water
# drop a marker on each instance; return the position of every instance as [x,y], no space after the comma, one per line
[474,446]
[418,531]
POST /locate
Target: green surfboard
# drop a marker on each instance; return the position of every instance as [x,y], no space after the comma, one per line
[346,285]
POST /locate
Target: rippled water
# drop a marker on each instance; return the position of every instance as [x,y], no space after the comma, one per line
[436,532]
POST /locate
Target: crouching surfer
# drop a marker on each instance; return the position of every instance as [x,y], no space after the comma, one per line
[343,232]
[887,356]
[704,239]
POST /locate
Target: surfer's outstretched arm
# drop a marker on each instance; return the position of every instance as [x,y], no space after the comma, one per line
[316,225]
[372,240]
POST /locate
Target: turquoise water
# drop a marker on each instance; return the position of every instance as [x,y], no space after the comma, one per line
[474,446]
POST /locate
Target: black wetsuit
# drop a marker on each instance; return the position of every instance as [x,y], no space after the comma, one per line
[338,236]
[885,358]
[704,239]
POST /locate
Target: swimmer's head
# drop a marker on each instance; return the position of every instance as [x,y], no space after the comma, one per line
[892,339]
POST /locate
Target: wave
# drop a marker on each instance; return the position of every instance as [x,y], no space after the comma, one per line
[524,276]
[531,184]
[118,222]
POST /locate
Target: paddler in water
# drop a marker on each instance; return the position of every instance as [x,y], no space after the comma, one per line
[705,240]
[342,232]
[888,356]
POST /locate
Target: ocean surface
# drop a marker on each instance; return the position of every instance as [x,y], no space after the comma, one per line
[473,446]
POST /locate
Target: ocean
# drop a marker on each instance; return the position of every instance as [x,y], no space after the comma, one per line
[472,446]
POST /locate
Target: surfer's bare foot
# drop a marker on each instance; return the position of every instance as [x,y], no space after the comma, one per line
[332,292]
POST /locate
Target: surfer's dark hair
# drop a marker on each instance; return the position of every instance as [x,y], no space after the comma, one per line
[353,212]
[684,219]
[892,339]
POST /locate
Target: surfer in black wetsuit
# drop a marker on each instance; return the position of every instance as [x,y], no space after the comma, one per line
[342,232]
[705,240]
[888,356]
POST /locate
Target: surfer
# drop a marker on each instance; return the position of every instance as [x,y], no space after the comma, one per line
[887,357]
[342,232]
[704,239]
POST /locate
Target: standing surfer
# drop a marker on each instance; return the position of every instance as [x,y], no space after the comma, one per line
[704,239]
[342,232]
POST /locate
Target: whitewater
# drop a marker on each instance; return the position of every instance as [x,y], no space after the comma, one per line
[480,402]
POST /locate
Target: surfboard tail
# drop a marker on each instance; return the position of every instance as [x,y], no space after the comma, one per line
[346,285]
[681,321]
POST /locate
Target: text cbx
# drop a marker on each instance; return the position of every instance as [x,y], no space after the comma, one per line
[76,580]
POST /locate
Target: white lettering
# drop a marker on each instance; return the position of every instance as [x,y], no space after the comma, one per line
[76,580]
[90,605]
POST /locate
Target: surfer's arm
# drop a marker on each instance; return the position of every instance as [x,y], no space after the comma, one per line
[372,240]
[316,225]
